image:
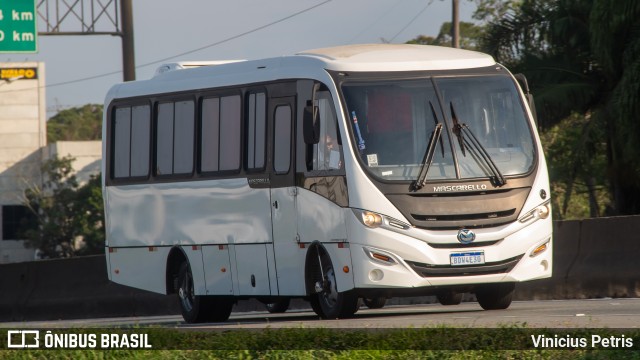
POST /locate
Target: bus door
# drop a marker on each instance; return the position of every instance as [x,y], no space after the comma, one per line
[281,112]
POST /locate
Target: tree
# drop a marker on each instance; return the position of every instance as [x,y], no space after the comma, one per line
[489,11]
[582,56]
[65,213]
[79,123]
[470,36]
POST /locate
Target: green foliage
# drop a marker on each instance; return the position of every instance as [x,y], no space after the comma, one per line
[75,124]
[582,56]
[470,35]
[67,216]
[488,11]
[576,158]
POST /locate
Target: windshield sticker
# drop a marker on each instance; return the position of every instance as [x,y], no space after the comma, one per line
[372,160]
[361,145]
[387,173]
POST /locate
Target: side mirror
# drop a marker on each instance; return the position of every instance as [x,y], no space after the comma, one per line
[311,124]
[525,88]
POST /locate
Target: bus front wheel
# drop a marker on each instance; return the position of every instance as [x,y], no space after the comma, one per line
[328,303]
[199,308]
[495,296]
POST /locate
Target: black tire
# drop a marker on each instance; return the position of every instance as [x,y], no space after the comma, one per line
[198,308]
[495,296]
[314,301]
[329,303]
[375,303]
[449,297]
[278,307]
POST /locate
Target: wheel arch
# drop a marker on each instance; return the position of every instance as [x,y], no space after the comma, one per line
[311,266]
[176,257]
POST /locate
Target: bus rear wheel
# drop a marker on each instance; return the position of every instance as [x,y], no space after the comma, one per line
[495,296]
[449,297]
[199,308]
[375,303]
[278,307]
[328,303]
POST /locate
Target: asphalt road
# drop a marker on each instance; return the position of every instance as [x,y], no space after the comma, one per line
[598,313]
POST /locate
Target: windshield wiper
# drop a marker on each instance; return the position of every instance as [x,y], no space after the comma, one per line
[436,134]
[468,140]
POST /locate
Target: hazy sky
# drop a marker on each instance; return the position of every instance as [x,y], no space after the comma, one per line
[166,28]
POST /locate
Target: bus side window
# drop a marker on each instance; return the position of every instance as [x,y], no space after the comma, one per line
[220,136]
[174,142]
[256,131]
[131,142]
[282,141]
[327,154]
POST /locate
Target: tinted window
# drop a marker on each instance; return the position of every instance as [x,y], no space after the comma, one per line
[220,139]
[140,140]
[282,140]
[183,137]
[230,133]
[327,154]
[256,131]
[210,134]
[164,139]
[122,142]
[131,141]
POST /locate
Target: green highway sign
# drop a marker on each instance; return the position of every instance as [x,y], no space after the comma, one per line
[18,30]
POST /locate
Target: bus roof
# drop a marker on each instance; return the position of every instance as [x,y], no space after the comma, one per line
[398,57]
[306,64]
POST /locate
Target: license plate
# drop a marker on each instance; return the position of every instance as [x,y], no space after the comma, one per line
[467,258]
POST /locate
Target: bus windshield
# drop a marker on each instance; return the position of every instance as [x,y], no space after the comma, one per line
[394,120]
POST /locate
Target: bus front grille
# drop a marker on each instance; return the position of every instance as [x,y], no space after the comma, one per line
[463,217]
[429,270]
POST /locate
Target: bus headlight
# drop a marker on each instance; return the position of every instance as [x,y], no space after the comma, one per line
[375,220]
[541,212]
[370,219]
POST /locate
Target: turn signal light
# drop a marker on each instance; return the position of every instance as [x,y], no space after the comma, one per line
[539,250]
[381,257]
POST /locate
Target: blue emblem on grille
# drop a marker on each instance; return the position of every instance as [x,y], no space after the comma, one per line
[466,236]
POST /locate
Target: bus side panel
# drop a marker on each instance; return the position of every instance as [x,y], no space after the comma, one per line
[341,260]
[139,267]
[289,259]
[217,270]
[286,258]
[224,211]
[320,219]
[252,269]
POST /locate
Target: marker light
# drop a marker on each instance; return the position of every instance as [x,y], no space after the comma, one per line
[539,250]
[380,257]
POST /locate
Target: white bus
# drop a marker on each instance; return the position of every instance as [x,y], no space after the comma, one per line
[333,175]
